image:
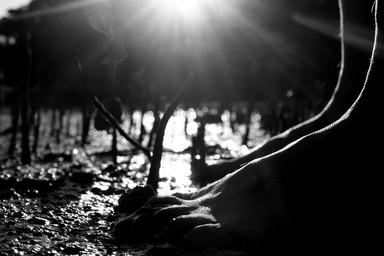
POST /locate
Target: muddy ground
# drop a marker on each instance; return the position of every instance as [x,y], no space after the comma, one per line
[63,203]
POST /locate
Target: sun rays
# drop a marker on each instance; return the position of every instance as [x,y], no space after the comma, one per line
[227,43]
[203,36]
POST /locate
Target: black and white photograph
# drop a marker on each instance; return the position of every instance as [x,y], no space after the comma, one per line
[191,127]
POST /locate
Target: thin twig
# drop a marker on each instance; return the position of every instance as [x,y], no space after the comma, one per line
[105,113]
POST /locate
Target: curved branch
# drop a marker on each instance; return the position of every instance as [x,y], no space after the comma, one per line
[105,113]
[153,176]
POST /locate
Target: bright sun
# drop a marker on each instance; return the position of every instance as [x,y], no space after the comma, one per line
[188,10]
[173,37]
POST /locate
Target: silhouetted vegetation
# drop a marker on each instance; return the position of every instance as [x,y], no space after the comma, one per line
[40,41]
[254,76]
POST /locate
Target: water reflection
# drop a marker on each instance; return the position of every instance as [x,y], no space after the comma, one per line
[176,161]
[81,205]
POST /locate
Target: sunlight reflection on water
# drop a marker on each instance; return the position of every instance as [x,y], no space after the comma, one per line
[80,205]
[175,171]
[175,168]
[223,141]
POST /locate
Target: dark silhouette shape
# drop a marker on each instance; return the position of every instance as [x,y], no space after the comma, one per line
[86,112]
[316,195]
[25,106]
[345,92]
[105,113]
[114,106]
[14,128]
[153,176]
[155,157]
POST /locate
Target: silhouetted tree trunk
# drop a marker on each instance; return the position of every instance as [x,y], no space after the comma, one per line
[25,125]
[86,122]
[248,123]
[36,130]
[15,123]
[198,156]
[186,122]
[60,125]
[232,118]
[25,107]
[142,127]
[36,113]
[53,121]
[114,146]
[131,121]
[154,170]
[68,123]
[155,123]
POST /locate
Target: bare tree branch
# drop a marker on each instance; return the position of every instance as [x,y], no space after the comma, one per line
[153,176]
[105,113]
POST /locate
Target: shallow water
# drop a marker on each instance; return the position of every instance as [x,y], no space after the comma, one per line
[62,202]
